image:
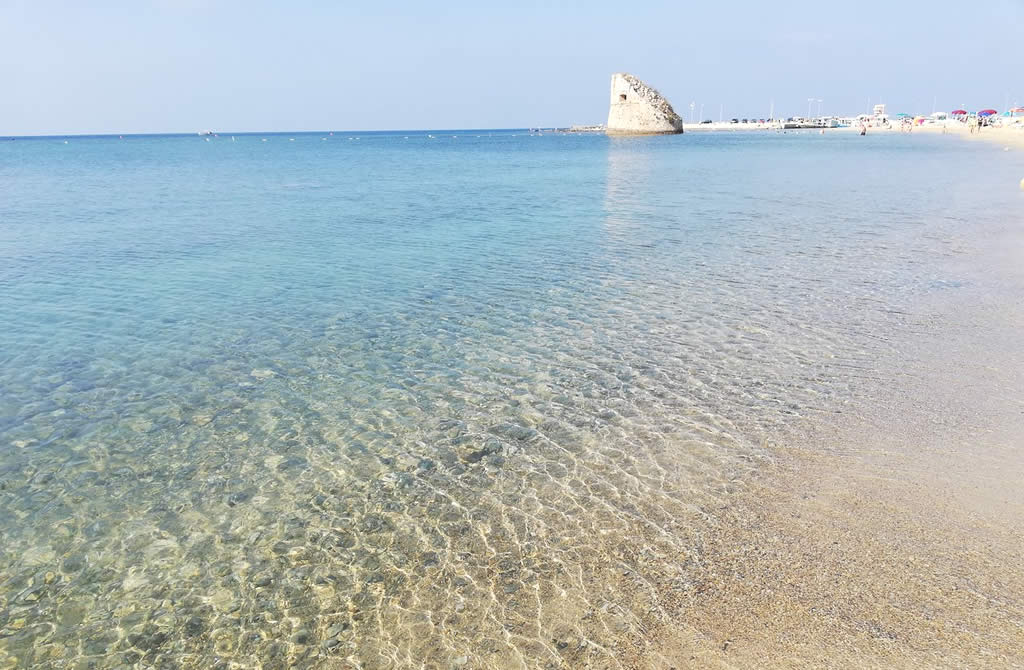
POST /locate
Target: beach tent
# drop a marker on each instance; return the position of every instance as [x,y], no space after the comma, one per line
[987,112]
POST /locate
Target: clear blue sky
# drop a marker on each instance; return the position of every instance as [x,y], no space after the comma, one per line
[119,66]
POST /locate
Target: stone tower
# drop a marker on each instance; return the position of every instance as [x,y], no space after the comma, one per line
[638,109]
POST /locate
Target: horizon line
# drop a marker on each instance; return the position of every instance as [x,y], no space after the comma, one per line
[272,132]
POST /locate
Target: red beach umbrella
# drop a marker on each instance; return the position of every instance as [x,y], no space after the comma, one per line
[959,112]
[987,112]
[1017,110]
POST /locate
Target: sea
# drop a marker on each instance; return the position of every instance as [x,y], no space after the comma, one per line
[441,399]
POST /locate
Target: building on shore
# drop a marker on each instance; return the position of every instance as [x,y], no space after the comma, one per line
[638,109]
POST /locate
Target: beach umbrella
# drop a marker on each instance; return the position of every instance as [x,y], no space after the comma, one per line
[1017,110]
[959,112]
[987,112]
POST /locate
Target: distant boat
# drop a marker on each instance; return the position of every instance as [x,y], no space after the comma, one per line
[201,133]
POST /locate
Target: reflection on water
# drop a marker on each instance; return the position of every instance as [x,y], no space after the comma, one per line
[471,405]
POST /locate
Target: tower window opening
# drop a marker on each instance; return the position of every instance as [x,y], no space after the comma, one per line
[622,96]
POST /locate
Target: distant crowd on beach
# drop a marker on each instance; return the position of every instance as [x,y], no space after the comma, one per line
[955,121]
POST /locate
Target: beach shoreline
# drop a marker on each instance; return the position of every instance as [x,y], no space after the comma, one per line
[890,532]
[1010,133]
[877,538]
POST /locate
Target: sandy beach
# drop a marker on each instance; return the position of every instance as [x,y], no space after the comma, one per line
[898,546]
[890,534]
[458,336]
[1008,136]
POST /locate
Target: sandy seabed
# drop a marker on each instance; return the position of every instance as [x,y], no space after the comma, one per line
[891,534]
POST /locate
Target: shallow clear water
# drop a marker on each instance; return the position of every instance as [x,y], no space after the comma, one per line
[393,400]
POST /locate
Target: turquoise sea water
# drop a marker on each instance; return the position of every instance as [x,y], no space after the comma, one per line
[428,400]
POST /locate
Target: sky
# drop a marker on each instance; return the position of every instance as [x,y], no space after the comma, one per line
[131,66]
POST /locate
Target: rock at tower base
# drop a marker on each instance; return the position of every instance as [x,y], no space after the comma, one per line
[638,109]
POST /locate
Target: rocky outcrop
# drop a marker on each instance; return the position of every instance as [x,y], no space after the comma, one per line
[638,109]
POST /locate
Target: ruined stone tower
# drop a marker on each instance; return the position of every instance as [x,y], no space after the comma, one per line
[638,109]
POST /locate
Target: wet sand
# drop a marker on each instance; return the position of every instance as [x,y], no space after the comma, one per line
[888,535]
[1006,136]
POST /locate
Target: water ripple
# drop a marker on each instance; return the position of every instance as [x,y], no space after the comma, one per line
[465,404]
